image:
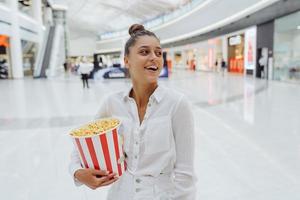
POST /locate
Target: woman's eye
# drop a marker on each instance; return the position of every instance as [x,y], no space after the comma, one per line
[144,52]
[158,53]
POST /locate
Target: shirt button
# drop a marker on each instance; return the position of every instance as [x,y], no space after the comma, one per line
[138,180]
[135,157]
[149,104]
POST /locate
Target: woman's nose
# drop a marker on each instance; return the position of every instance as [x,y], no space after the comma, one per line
[153,56]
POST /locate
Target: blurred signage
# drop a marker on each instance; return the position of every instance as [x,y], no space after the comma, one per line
[250,48]
[235,40]
[4,41]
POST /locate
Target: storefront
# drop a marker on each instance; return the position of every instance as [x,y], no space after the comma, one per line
[5,69]
[287,48]
[191,59]
[242,51]
[178,62]
[236,53]
[210,54]
[237,49]
[201,56]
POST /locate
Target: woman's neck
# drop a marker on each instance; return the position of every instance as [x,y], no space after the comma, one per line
[142,93]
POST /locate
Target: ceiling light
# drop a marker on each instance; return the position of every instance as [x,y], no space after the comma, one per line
[298,27]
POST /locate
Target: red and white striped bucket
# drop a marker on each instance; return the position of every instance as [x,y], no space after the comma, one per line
[103,151]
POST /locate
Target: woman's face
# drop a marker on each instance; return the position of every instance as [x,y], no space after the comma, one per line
[145,60]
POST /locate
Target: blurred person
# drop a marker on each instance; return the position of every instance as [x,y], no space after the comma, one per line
[263,62]
[66,66]
[158,130]
[85,69]
[216,65]
[223,66]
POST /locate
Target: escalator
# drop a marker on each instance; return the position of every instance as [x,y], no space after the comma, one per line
[44,58]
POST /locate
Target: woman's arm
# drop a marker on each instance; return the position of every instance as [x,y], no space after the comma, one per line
[183,129]
[90,177]
[74,165]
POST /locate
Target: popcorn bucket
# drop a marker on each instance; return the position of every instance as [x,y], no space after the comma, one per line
[101,150]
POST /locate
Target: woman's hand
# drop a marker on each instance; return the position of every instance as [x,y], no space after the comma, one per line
[95,178]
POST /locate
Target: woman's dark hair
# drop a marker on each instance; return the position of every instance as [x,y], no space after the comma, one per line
[135,31]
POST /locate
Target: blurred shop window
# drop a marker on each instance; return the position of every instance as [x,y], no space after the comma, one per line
[236,46]
[4,57]
[178,62]
[25,6]
[287,48]
[29,50]
[3,67]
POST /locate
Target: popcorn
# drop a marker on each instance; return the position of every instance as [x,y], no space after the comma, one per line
[96,127]
[100,146]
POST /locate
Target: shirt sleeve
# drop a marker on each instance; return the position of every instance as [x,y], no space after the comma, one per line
[74,165]
[103,111]
[75,159]
[183,129]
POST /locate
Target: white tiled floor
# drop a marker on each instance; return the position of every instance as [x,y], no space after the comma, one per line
[247,135]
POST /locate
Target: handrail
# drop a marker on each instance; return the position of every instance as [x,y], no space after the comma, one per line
[48,51]
[41,53]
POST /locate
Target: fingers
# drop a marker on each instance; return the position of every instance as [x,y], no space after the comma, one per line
[95,178]
[97,182]
[99,172]
[106,179]
[110,181]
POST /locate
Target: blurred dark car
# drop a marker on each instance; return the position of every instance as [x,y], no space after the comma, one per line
[116,72]
[112,72]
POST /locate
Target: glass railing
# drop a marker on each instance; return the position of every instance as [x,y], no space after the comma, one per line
[157,21]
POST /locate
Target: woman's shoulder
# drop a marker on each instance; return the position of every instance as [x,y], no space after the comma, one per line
[172,93]
[116,95]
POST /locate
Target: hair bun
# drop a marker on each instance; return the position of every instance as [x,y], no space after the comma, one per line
[135,28]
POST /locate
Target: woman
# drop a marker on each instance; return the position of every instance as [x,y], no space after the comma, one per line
[157,127]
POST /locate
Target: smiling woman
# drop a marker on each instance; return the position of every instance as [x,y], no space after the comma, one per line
[157,127]
[143,57]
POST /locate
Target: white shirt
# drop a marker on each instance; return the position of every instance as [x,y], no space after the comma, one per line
[161,146]
[85,68]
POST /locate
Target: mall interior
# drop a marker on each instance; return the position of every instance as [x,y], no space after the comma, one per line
[236,62]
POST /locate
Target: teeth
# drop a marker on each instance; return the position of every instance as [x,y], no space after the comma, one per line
[152,67]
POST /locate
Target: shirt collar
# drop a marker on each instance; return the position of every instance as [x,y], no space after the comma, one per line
[157,95]
[126,94]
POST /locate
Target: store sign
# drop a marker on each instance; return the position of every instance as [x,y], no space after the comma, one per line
[235,40]
[4,41]
[250,48]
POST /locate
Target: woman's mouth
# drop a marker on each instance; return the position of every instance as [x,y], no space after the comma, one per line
[151,68]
